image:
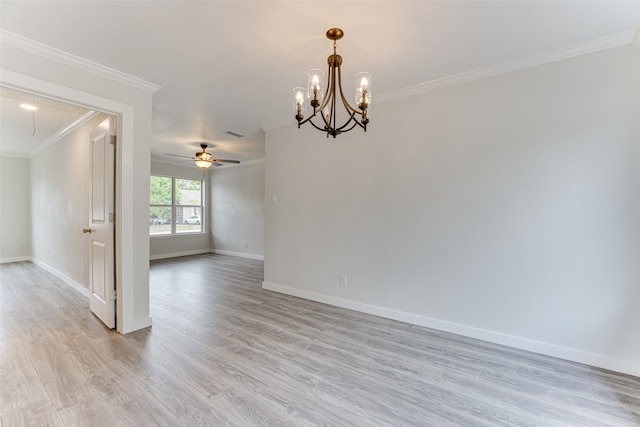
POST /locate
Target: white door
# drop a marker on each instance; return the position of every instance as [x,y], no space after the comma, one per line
[101,226]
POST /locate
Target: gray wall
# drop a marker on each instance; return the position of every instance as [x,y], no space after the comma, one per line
[60,205]
[237,209]
[506,209]
[15,209]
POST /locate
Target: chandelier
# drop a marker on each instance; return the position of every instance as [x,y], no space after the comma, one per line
[325,101]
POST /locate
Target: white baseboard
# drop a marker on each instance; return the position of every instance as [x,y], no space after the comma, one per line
[15,259]
[579,356]
[206,251]
[60,275]
[179,254]
[239,254]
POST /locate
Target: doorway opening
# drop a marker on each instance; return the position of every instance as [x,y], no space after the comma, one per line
[132,303]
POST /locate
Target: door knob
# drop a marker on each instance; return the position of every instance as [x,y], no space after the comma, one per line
[87,230]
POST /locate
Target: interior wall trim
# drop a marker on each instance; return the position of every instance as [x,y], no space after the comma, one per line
[612,41]
[573,355]
[178,254]
[15,259]
[41,49]
[206,251]
[238,254]
[60,275]
[14,155]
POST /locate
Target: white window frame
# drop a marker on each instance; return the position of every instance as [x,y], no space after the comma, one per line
[174,209]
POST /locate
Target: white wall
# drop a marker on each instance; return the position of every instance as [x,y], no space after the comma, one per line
[237,209]
[15,209]
[60,204]
[507,209]
[52,73]
[180,245]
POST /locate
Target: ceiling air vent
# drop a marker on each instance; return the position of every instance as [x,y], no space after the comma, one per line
[237,135]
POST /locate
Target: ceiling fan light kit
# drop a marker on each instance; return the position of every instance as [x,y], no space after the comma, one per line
[204,164]
[325,101]
[205,160]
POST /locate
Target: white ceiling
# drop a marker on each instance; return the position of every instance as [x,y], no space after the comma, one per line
[26,132]
[230,65]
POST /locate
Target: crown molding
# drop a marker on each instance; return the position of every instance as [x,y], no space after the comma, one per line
[41,49]
[615,40]
[13,155]
[61,133]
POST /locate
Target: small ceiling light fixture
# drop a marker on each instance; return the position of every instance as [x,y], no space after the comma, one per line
[326,104]
[30,107]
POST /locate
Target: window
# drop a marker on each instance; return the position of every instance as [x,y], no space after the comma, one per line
[175,206]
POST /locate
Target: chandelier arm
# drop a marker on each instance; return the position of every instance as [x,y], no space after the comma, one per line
[334,106]
[301,122]
[327,128]
[330,100]
[352,118]
[327,95]
[331,127]
[355,123]
[344,100]
[325,101]
[318,127]
[327,120]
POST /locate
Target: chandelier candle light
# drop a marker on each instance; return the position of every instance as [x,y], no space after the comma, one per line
[325,101]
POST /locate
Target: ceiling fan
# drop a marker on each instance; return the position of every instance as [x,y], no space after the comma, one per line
[205,160]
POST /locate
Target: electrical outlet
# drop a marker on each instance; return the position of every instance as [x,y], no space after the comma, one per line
[343,280]
[246,244]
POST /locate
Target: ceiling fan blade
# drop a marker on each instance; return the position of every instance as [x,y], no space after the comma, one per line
[217,164]
[178,155]
[225,161]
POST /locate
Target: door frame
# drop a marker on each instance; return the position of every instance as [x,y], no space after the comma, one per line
[124,245]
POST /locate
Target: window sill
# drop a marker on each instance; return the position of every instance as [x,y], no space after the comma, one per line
[170,236]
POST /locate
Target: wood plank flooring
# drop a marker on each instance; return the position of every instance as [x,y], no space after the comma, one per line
[224,352]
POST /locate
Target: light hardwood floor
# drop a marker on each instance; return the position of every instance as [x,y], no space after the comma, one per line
[223,351]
